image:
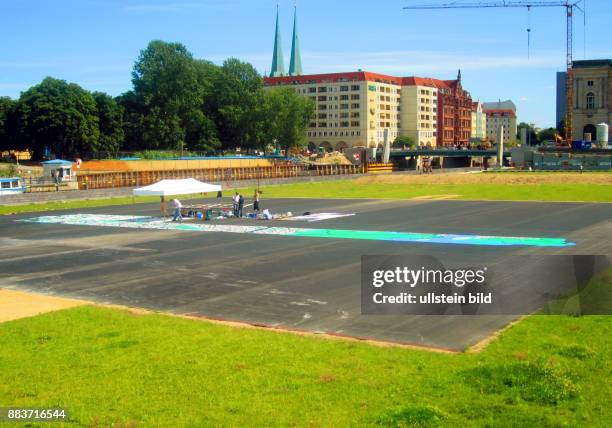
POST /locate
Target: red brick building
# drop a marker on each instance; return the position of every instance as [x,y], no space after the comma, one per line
[454,112]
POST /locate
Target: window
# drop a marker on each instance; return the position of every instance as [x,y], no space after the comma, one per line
[355,123]
[344,97]
[344,124]
[355,114]
[344,115]
[322,89]
[313,124]
[590,100]
[322,125]
[322,107]
[589,83]
[343,106]
[322,115]
[355,105]
[312,90]
[6,184]
[354,87]
[344,88]
[322,98]
[355,96]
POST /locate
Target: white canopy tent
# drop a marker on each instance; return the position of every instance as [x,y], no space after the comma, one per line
[186,186]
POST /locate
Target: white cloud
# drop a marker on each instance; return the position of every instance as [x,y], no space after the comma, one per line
[523,99]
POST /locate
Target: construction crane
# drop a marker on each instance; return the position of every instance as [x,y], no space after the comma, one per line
[568,5]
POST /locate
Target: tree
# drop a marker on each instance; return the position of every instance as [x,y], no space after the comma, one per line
[404,140]
[532,136]
[234,103]
[56,115]
[6,107]
[110,121]
[165,94]
[288,114]
[547,134]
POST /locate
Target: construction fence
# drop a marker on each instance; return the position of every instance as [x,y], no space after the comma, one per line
[105,180]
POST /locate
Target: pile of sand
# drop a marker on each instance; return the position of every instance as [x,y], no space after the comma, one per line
[507,178]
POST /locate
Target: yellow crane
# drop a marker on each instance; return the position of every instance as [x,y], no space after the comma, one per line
[568,5]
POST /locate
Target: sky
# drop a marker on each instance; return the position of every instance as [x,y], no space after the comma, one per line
[95,42]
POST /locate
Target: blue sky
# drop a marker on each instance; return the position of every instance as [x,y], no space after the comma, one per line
[95,42]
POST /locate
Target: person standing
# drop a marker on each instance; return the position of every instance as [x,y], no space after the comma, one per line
[240,205]
[162,206]
[256,198]
[235,201]
[177,210]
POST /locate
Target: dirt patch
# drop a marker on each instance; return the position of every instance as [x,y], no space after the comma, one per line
[434,197]
[491,178]
[16,304]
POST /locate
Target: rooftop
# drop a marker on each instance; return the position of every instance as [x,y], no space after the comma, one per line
[358,76]
[592,63]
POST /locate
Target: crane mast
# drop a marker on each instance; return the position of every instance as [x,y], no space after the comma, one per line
[569,6]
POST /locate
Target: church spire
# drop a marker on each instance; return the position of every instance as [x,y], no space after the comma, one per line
[295,66]
[278,62]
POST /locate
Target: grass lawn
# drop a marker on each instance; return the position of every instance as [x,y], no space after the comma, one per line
[543,192]
[111,366]
[591,187]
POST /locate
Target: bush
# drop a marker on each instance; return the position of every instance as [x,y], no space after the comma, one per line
[535,382]
[411,416]
[9,170]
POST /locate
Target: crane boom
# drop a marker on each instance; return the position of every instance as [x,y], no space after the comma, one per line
[568,5]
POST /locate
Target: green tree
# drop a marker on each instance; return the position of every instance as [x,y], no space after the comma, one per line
[532,136]
[110,120]
[6,107]
[547,134]
[165,94]
[404,140]
[56,115]
[288,114]
[234,102]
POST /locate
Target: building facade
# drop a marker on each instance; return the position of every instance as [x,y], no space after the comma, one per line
[479,123]
[419,110]
[501,113]
[355,108]
[592,96]
[454,113]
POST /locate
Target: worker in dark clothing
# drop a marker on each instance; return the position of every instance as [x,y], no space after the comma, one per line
[240,204]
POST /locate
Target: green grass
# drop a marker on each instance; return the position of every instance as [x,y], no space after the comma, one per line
[82,203]
[543,192]
[109,366]
[348,189]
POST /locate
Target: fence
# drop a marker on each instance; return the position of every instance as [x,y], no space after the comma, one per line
[104,180]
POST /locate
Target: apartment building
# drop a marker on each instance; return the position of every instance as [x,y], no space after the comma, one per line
[479,122]
[352,109]
[501,113]
[355,108]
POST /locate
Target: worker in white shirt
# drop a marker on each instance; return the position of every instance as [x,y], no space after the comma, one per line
[177,210]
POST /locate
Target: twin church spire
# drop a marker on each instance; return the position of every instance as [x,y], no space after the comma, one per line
[278,62]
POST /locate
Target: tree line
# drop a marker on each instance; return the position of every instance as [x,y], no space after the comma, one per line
[177,102]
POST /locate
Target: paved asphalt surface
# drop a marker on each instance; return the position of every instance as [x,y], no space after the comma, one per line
[296,283]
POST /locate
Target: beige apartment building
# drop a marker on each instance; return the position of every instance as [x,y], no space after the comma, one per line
[354,108]
[479,122]
[501,113]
